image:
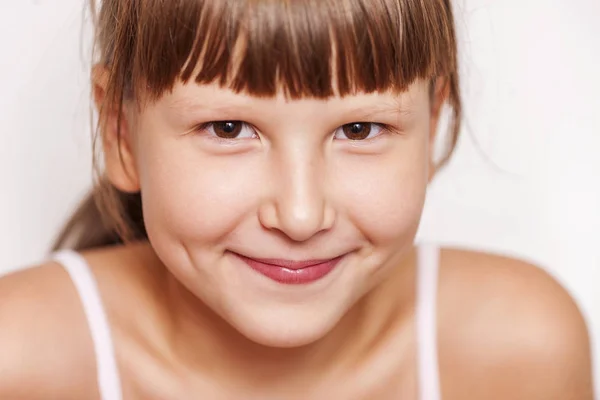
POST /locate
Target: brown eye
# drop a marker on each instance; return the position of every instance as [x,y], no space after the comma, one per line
[227,129]
[357,130]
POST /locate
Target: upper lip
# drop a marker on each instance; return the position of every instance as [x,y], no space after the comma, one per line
[290,264]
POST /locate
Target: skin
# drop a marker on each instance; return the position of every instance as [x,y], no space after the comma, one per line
[293,187]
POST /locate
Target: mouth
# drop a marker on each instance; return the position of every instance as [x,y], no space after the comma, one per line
[290,272]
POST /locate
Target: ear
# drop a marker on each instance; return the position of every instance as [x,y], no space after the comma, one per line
[439,96]
[114,127]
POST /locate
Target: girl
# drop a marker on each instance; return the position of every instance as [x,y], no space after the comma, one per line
[251,232]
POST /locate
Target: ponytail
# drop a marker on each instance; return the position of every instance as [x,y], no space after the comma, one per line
[105,217]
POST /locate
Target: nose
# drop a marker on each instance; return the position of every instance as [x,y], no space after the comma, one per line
[297,204]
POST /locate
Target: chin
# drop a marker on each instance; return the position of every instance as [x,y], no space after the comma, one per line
[285,327]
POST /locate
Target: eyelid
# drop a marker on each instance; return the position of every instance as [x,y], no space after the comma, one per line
[204,128]
[383,129]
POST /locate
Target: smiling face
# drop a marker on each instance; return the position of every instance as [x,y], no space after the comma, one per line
[230,178]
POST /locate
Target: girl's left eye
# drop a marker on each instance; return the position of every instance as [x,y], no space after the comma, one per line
[229,130]
[357,131]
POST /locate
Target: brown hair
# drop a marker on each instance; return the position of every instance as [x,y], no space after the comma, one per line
[305,48]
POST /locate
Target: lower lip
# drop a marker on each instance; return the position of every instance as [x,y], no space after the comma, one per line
[288,276]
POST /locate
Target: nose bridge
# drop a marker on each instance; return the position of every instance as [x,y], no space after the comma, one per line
[300,200]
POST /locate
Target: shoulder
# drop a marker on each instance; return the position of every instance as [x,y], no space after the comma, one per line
[509,330]
[46,348]
[44,340]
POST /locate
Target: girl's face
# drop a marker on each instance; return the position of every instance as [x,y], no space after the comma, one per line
[281,214]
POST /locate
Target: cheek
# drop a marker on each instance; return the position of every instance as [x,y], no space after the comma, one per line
[386,196]
[192,197]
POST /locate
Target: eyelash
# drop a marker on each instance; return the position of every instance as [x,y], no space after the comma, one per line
[206,126]
[384,129]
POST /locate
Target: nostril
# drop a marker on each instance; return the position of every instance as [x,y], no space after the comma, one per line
[267,215]
[298,222]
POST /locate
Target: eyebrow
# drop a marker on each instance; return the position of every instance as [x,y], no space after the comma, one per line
[369,109]
[373,110]
[187,106]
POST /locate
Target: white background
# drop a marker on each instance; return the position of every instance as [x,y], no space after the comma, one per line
[525,180]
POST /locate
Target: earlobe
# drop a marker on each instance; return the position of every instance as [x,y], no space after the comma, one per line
[115,135]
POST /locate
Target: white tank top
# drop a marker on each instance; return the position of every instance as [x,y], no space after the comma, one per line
[109,382]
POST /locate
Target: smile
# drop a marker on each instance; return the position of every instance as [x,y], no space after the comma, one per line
[292,272]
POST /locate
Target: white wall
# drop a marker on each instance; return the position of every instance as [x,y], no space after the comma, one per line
[45,150]
[525,179]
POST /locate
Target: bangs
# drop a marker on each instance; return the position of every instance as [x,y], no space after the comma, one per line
[303,48]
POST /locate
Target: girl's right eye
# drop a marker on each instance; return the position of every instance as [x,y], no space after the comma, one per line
[229,130]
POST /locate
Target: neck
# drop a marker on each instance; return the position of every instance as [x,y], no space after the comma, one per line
[203,342]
